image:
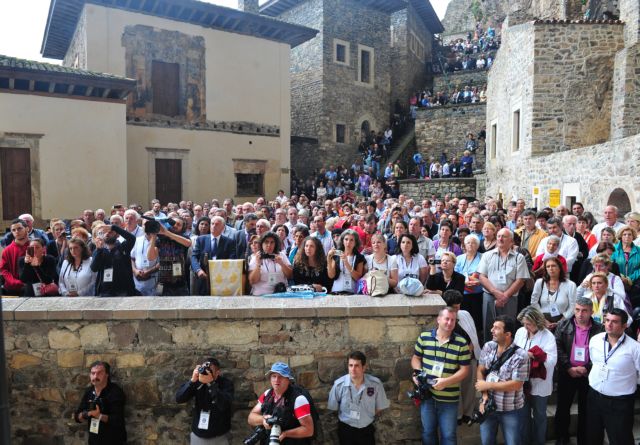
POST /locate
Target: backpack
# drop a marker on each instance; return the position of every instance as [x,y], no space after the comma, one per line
[297,390]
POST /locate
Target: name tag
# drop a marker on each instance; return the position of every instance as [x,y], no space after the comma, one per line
[73,286]
[347,282]
[502,278]
[108,275]
[555,312]
[36,289]
[159,288]
[354,414]
[95,426]
[493,377]
[579,354]
[203,423]
[437,369]
[176,268]
[145,263]
[603,373]
[273,279]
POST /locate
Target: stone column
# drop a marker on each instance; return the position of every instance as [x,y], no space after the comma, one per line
[630,15]
[249,6]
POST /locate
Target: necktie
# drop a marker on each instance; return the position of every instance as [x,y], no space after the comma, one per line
[214,249]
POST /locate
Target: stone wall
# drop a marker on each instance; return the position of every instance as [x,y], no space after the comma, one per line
[460,79]
[573,84]
[419,189]
[76,56]
[153,344]
[409,70]
[304,156]
[445,129]
[144,44]
[602,169]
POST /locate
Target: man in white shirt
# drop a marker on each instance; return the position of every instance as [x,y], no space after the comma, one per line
[610,220]
[568,246]
[612,382]
[323,234]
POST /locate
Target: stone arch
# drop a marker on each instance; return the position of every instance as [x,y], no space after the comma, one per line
[366,123]
[621,200]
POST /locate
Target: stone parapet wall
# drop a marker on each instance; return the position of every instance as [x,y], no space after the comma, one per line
[154,343]
[460,79]
[445,129]
[419,189]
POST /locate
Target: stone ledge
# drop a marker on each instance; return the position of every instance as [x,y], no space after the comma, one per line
[185,308]
[436,180]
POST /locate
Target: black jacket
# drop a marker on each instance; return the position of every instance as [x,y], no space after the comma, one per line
[565,332]
[436,282]
[215,398]
[118,258]
[46,273]
[111,402]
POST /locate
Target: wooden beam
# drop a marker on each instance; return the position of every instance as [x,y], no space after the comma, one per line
[52,87]
[70,89]
[106,92]
[32,85]
[89,91]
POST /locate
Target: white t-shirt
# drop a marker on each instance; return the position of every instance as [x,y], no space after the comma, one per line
[345,282]
[388,265]
[411,268]
[270,274]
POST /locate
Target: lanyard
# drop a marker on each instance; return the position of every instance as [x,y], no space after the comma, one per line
[353,265]
[607,356]
[467,265]
[555,293]
[351,395]
[410,268]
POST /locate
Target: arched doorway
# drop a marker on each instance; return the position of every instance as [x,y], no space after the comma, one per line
[620,199]
[365,130]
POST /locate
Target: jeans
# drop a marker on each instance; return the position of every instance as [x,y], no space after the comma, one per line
[534,420]
[439,415]
[510,422]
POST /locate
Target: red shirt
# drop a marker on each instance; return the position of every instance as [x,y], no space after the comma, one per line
[9,267]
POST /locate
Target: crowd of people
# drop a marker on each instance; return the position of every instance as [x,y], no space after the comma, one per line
[563,276]
[476,52]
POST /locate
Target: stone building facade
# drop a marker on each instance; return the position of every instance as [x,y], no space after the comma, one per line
[344,82]
[562,107]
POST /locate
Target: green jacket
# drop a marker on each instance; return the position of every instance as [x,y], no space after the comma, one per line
[629,268]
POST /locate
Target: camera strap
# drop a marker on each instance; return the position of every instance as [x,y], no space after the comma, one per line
[495,366]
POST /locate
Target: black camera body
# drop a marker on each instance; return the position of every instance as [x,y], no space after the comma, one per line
[260,432]
[204,369]
[267,256]
[434,261]
[152,225]
[489,407]
[423,390]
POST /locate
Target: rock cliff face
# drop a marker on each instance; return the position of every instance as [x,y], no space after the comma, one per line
[460,13]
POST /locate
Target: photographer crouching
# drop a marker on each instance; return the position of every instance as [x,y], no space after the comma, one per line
[212,408]
[285,407]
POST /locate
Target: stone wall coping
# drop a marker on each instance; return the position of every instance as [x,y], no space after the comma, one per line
[450,106]
[171,308]
[436,180]
[461,72]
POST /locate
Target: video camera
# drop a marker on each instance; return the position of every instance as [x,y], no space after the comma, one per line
[152,226]
[261,432]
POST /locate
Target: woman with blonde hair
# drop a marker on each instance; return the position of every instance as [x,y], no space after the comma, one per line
[540,345]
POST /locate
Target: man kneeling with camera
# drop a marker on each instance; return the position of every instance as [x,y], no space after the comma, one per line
[284,408]
[212,410]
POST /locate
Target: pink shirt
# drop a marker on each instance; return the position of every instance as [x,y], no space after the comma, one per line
[581,340]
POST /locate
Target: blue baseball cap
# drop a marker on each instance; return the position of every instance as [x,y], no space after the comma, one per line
[282,369]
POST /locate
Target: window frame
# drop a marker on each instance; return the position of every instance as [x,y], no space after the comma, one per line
[372,58]
[347,52]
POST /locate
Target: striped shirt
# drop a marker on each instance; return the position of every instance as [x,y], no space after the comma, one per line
[452,354]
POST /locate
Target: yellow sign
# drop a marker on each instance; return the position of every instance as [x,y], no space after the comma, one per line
[554,198]
[536,191]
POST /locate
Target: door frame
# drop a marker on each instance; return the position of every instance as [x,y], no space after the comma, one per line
[167,153]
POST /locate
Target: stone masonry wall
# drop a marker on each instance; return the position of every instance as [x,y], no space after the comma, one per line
[602,169]
[76,56]
[572,84]
[304,154]
[408,73]
[419,189]
[459,80]
[445,129]
[153,345]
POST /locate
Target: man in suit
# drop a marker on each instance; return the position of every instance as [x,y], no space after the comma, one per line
[242,236]
[216,246]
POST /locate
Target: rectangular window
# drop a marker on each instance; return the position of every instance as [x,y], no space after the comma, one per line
[16,182]
[515,143]
[365,66]
[494,139]
[165,84]
[341,130]
[340,52]
[249,184]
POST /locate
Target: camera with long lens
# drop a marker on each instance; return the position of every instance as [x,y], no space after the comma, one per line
[152,225]
[479,417]
[204,369]
[423,390]
[261,432]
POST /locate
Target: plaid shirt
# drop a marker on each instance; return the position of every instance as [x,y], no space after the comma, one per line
[516,368]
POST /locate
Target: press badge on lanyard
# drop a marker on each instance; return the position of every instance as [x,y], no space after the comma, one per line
[108,275]
[555,312]
[603,372]
[437,369]
[95,426]
[203,423]
[579,354]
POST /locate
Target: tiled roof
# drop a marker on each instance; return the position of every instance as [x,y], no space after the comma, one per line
[32,65]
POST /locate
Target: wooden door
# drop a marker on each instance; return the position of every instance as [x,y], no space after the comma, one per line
[168,180]
[16,182]
[165,83]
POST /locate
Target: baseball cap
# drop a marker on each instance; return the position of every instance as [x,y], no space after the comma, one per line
[282,369]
